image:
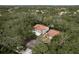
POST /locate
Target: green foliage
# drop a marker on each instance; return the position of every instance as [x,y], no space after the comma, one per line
[16,26]
[41,48]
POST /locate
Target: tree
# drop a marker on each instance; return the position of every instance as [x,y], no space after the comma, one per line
[40,49]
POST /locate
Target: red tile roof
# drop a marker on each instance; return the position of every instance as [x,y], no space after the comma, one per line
[40,27]
[53,32]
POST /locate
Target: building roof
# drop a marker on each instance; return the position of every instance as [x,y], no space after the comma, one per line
[40,27]
[53,32]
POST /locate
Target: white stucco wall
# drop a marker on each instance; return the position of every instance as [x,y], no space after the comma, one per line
[38,32]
